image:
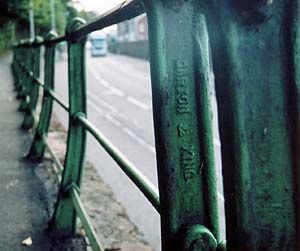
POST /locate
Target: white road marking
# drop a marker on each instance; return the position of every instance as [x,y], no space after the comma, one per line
[124,117]
[139,140]
[115,91]
[101,102]
[137,124]
[105,83]
[107,105]
[95,107]
[138,103]
[98,77]
[107,116]
[111,89]
[113,120]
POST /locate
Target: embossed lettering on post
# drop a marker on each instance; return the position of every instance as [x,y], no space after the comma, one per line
[183,130]
[188,162]
[187,159]
[182,98]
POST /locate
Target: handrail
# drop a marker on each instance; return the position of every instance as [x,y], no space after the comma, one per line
[58,100]
[37,81]
[90,232]
[141,181]
[122,12]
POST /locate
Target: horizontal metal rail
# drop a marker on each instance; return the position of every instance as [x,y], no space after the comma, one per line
[84,218]
[122,12]
[37,81]
[34,78]
[59,100]
[139,179]
[52,41]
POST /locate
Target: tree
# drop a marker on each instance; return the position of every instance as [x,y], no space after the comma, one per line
[17,10]
[14,18]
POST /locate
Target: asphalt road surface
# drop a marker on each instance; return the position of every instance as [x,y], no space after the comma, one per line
[119,105]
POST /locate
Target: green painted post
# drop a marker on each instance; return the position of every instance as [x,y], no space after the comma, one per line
[179,55]
[24,93]
[256,48]
[15,67]
[22,58]
[38,148]
[33,91]
[64,217]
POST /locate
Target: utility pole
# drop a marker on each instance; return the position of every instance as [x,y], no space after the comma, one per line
[53,20]
[31,20]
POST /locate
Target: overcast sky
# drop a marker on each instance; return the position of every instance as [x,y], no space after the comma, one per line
[100,6]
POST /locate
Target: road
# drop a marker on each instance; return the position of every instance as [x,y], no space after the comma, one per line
[119,105]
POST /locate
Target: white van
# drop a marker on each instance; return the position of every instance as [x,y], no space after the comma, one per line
[98,44]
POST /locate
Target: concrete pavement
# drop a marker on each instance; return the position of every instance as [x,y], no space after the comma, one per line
[23,208]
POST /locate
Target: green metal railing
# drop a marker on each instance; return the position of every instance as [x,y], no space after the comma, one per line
[254,46]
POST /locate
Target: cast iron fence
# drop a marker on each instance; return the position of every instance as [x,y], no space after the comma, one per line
[254,46]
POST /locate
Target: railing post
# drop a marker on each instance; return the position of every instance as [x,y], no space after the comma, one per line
[33,88]
[179,55]
[256,60]
[38,148]
[26,85]
[22,59]
[64,217]
[16,67]
[14,64]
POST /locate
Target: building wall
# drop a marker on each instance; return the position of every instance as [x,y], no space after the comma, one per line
[132,37]
[135,29]
[142,28]
[138,49]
